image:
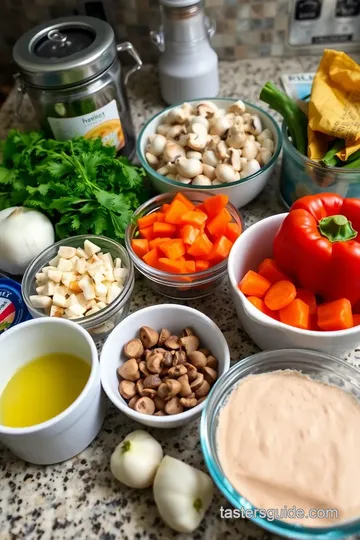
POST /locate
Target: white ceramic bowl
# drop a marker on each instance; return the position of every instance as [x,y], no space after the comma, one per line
[249,250]
[71,431]
[241,192]
[175,318]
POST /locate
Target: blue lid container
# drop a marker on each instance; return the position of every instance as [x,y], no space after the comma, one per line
[12,307]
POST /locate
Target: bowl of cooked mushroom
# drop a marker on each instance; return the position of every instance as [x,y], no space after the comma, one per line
[224,146]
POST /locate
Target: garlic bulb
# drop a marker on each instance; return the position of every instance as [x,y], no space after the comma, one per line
[24,233]
[182,494]
[135,460]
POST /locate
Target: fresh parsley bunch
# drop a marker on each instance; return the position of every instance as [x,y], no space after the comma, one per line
[79,184]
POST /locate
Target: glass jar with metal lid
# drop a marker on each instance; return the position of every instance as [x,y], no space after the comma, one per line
[70,71]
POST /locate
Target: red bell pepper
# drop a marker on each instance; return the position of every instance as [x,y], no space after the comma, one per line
[318,244]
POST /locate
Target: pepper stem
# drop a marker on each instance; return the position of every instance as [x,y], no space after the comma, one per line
[125,447]
[198,504]
[337,229]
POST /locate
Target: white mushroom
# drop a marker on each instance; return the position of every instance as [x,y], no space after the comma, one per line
[251,137]
[197,142]
[187,107]
[206,108]
[183,179]
[201,180]
[235,155]
[236,137]
[219,126]
[246,116]
[238,107]
[216,182]
[209,158]
[157,144]
[225,173]
[264,156]
[251,167]
[163,129]
[175,131]
[177,115]
[209,171]
[243,162]
[268,144]
[266,134]
[189,167]
[200,120]
[199,129]
[221,150]
[171,168]
[171,176]
[172,151]
[238,121]
[249,150]
[193,154]
[213,142]
[183,139]
[163,170]
[255,125]
[151,159]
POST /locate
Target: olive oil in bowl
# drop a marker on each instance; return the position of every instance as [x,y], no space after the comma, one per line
[42,389]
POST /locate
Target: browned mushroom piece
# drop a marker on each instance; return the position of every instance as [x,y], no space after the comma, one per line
[189,403]
[159,413]
[197,359]
[187,332]
[154,363]
[159,350]
[129,370]
[185,386]
[133,401]
[205,351]
[172,342]
[179,358]
[159,403]
[173,406]
[127,389]
[168,359]
[134,348]
[177,371]
[148,336]
[210,374]
[139,386]
[190,343]
[143,368]
[145,405]
[162,391]
[163,373]
[197,383]
[152,381]
[191,371]
[203,390]
[164,334]
[149,392]
[211,362]
[200,400]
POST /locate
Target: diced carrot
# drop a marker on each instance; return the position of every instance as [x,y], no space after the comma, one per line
[140,247]
[176,211]
[164,229]
[165,207]
[190,267]
[201,247]
[147,220]
[356,319]
[160,217]
[214,205]
[173,267]
[252,284]
[335,315]
[280,295]
[201,207]
[232,231]
[189,234]
[296,314]
[194,218]
[147,232]
[152,258]
[260,305]
[309,298]
[201,265]
[217,225]
[157,241]
[173,249]
[220,250]
[180,197]
[269,269]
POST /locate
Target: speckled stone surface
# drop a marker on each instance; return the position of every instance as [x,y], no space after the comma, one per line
[79,499]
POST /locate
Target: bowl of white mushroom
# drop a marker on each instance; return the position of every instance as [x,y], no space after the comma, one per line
[226,146]
[88,279]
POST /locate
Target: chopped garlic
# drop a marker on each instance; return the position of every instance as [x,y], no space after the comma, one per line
[120,273]
[100,289]
[113,292]
[71,300]
[91,311]
[66,252]
[49,289]
[64,265]
[55,275]
[40,277]
[80,266]
[59,300]
[81,253]
[91,248]
[40,301]
[54,261]
[40,289]
[107,258]
[56,311]
[117,263]
[76,310]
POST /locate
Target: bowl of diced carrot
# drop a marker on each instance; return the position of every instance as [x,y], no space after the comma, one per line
[274,310]
[181,242]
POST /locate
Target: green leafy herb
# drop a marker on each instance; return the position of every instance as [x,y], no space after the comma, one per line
[80,184]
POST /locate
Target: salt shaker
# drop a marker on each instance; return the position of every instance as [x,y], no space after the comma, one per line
[188,66]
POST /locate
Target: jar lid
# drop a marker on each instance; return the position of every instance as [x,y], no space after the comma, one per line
[65,51]
[179,3]
[12,307]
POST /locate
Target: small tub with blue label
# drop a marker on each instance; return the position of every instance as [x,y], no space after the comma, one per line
[12,307]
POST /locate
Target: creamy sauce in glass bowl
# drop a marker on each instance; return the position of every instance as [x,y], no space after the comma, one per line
[286,440]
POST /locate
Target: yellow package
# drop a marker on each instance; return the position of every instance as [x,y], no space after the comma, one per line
[334,108]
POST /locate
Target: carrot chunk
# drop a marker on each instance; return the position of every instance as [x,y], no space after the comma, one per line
[140,247]
[296,314]
[147,220]
[280,295]
[173,249]
[309,298]
[176,211]
[201,247]
[147,233]
[232,231]
[269,269]
[190,267]
[335,315]
[189,234]
[217,225]
[173,267]
[157,241]
[220,250]
[215,205]
[260,305]
[201,265]
[160,217]
[165,207]
[152,258]
[163,229]
[252,284]
[180,197]
[194,218]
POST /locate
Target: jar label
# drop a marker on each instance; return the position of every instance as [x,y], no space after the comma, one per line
[104,123]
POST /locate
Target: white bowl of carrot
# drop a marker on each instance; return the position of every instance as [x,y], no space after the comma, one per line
[279,315]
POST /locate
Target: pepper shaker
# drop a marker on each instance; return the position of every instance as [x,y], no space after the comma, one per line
[188,65]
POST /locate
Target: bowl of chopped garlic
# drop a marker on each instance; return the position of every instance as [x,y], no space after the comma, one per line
[88,279]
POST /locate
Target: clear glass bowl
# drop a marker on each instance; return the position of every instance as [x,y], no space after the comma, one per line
[100,324]
[316,365]
[302,176]
[178,286]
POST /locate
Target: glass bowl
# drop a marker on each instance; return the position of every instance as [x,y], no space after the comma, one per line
[101,323]
[317,365]
[302,176]
[179,286]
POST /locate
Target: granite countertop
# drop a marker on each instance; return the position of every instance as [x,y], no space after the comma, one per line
[79,499]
